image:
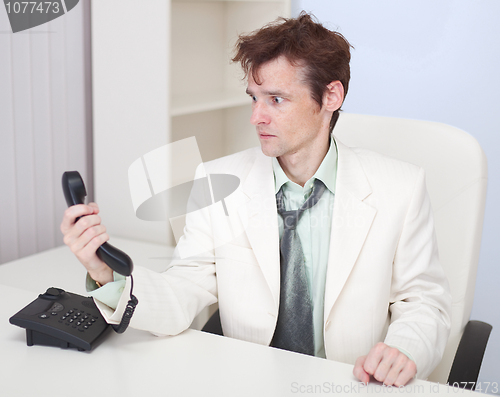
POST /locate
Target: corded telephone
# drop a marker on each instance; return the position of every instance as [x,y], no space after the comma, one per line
[60,318]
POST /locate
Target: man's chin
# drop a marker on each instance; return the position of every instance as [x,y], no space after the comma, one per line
[269,150]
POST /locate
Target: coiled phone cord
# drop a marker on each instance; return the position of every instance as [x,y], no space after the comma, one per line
[129,311]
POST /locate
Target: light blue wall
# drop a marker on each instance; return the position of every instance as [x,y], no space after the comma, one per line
[438,61]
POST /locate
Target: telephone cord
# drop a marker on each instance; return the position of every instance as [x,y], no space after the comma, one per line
[129,311]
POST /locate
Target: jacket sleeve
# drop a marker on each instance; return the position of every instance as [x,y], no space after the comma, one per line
[169,301]
[420,303]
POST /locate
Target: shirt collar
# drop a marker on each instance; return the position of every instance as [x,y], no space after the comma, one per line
[326,172]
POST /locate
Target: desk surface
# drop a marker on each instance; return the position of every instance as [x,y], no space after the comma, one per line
[137,363]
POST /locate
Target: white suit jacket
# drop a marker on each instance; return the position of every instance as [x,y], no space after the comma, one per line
[384,281]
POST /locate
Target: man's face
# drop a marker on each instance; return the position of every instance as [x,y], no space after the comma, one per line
[287,119]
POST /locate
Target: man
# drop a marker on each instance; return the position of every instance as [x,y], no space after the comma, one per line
[372,292]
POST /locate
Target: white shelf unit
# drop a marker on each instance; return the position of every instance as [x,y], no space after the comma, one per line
[161,73]
[208,98]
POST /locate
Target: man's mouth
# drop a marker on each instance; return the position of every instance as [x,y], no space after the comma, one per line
[264,135]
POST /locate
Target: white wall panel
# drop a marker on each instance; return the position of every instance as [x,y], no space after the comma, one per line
[45,127]
[130,70]
[9,248]
[24,139]
[41,134]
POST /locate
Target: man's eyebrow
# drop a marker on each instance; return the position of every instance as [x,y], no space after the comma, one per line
[270,93]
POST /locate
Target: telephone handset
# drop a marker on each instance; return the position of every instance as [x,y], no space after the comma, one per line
[75,192]
[60,318]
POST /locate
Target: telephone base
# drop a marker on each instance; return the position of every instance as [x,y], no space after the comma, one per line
[38,338]
[62,319]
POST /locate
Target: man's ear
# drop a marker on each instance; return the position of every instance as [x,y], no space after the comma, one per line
[333,96]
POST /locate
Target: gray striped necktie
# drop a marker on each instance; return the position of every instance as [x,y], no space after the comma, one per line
[294,328]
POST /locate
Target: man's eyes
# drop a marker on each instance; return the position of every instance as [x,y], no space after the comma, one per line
[274,99]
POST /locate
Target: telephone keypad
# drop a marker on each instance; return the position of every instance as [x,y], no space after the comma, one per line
[78,318]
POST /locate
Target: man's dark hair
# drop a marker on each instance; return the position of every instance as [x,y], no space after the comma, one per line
[323,53]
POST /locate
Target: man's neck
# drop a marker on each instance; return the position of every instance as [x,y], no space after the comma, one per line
[299,167]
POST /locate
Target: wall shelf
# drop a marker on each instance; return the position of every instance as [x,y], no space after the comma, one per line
[205,101]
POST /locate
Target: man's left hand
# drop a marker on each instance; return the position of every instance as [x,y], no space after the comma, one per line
[386,364]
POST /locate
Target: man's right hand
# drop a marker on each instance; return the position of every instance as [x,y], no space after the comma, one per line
[84,237]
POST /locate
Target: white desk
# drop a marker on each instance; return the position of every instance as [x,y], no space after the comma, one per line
[137,363]
[58,267]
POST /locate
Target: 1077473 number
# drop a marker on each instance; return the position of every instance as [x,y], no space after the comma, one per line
[23,7]
[482,387]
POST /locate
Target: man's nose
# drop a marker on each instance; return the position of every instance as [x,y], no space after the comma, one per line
[259,114]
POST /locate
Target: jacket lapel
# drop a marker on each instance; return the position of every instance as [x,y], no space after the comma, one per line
[351,222]
[260,217]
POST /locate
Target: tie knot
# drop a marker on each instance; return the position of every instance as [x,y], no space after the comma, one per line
[291,218]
